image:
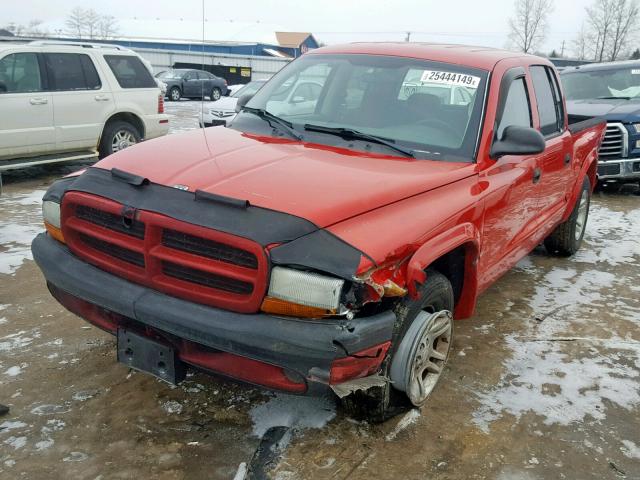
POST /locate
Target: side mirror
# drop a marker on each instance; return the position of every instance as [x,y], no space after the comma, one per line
[518,141]
[242,101]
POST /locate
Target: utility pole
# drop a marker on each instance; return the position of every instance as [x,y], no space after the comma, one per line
[408,37]
[562,49]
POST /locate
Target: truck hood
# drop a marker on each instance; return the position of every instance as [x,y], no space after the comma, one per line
[319,183]
[613,109]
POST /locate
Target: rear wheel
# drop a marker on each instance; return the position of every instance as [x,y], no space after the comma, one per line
[174,94]
[216,93]
[567,237]
[420,349]
[117,136]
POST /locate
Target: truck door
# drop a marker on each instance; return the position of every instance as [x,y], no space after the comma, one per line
[81,100]
[26,109]
[555,163]
[511,204]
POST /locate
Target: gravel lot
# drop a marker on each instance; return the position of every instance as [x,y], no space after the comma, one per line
[544,382]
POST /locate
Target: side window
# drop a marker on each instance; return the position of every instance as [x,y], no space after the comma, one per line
[550,120]
[129,71]
[557,97]
[517,110]
[20,73]
[71,71]
[90,74]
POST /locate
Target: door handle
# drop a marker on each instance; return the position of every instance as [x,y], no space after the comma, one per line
[38,101]
[101,98]
[567,159]
[537,173]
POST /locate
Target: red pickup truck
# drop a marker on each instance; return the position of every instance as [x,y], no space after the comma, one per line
[359,201]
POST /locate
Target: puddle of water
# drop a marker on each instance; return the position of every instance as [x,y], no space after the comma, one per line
[293,411]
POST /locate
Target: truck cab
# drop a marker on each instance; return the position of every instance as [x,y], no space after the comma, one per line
[610,90]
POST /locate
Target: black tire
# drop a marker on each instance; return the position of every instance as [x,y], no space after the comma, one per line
[216,94]
[174,94]
[567,237]
[109,139]
[381,403]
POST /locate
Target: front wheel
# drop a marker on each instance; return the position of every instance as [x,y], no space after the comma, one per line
[117,136]
[216,93]
[566,239]
[420,348]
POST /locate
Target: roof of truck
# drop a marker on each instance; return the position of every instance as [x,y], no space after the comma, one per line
[484,58]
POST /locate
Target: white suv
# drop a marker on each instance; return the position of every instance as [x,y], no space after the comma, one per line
[63,101]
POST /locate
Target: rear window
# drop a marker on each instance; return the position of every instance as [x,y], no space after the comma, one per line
[71,71]
[130,72]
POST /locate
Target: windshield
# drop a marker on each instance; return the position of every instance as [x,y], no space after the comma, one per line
[171,74]
[431,108]
[249,89]
[584,85]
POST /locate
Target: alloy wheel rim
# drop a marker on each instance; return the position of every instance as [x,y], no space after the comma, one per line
[430,357]
[121,140]
[581,218]
[215,95]
[175,95]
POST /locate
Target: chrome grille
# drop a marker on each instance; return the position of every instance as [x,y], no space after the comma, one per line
[615,142]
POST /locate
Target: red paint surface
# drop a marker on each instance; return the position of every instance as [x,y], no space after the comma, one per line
[358,365]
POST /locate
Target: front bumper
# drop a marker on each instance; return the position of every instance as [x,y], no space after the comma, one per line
[306,347]
[627,169]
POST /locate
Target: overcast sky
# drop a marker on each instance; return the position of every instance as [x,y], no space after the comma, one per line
[479,22]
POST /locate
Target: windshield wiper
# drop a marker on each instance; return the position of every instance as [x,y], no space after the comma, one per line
[349,133]
[270,117]
[614,98]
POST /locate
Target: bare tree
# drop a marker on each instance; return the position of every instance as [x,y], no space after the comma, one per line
[612,22]
[91,23]
[107,27]
[76,21]
[624,23]
[528,26]
[32,29]
[582,44]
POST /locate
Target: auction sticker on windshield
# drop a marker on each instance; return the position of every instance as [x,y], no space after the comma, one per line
[450,78]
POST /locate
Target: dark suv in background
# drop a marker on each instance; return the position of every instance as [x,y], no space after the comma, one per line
[611,90]
[192,84]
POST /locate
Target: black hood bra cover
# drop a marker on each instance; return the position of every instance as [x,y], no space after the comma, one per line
[302,242]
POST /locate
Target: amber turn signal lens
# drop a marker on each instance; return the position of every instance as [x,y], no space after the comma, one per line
[282,307]
[54,232]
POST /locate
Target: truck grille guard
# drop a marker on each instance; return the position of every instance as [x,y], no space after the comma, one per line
[175,257]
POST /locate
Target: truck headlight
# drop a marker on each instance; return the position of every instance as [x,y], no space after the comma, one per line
[51,216]
[296,293]
[636,127]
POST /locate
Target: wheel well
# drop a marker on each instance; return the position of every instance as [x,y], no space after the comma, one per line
[452,266]
[129,118]
[458,266]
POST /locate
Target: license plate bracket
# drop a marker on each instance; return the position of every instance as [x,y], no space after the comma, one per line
[149,356]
